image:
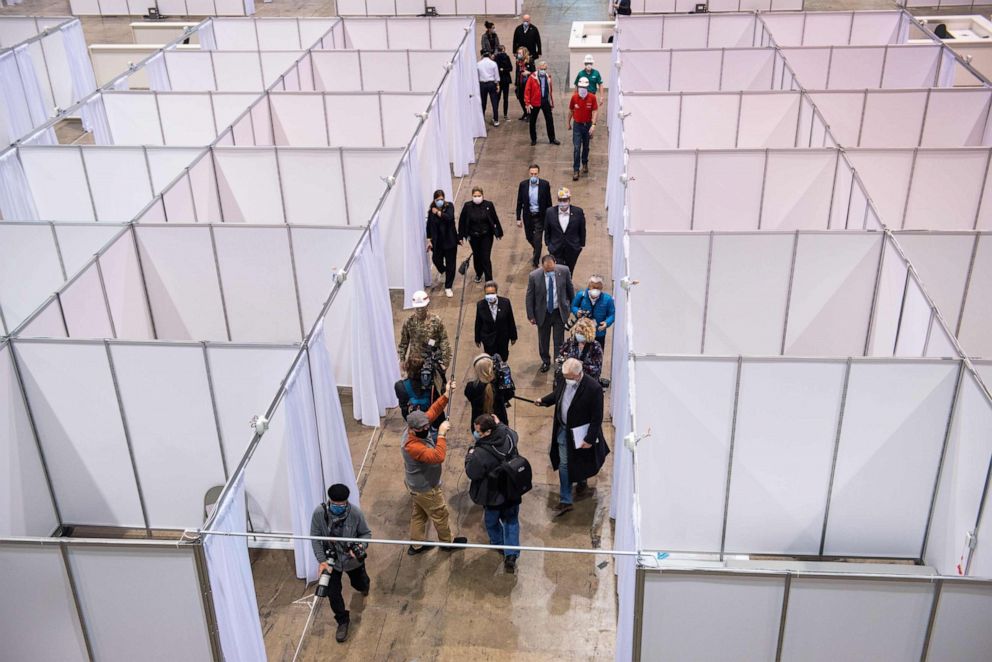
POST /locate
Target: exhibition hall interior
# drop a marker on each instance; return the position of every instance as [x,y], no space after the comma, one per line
[633,330]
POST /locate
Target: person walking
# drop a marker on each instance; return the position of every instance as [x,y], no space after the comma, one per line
[495,328]
[578,447]
[565,230]
[505,66]
[410,391]
[533,201]
[528,36]
[494,442]
[479,224]
[583,346]
[489,83]
[590,74]
[524,68]
[424,337]
[597,305]
[482,392]
[337,518]
[422,460]
[490,40]
[442,239]
[583,109]
[548,289]
[539,95]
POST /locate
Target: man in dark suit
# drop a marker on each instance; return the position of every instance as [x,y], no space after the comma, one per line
[548,289]
[578,401]
[533,202]
[495,328]
[565,230]
[529,36]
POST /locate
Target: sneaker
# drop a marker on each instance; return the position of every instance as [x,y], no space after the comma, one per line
[461,540]
[510,565]
[448,293]
[342,632]
[581,488]
[413,551]
[575,176]
[495,122]
[585,169]
[477,279]
[555,142]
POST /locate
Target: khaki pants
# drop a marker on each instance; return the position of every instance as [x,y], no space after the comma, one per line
[429,505]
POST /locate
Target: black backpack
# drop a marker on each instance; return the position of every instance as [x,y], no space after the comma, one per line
[513,475]
[624,8]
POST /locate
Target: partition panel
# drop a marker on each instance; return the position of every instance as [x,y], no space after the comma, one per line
[645,32]
[313,187]
[77,244]
[188,119]
[842,111]
[192,71]
[298,120]
[57,169]
[976,317]
[768,120]
[892,119]
[914,322]
[811,65]
[956,118]
[682,468]
[661,181]
[856,68]
[119,180]
[960,629]
[354,121]
[695,71]
[831,619]
[133,118]
[750,69]
[708,121]
[125,287]
[72,396]
[943,261]
[783,446]
[84,306]
[387,71]
[239,71]
[886,176]
[731,30]
[249,184]
[400,117]
[684,32]
[120,627]
[887,309]
[653,121]
[365,33]
[895,421]
[798,190]
[44,625]
[166,163]
[748,288]
[319,253]
[728,190]
[29,269]
[645,71]
[364,180]
[946,190]
[47,323]
[911,66]
[337,70]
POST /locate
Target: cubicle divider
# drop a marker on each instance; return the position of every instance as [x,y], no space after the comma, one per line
[712,6]
[165,7]
[350,8]
[834,28]
[895,66]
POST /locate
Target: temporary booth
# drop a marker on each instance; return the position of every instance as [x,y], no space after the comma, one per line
[164,7]
[712,6]
[417,7]
[968,35]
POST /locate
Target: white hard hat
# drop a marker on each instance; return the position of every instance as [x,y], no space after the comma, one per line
[588,59]
[583,82]
[420,299]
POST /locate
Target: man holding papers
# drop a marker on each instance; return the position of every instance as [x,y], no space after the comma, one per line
[578,448]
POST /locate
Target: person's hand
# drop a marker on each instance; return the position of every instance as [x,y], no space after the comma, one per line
[451,388]
[592,130]
[479,345]
[430,247]
[513,342]
[529,108]
[602,326]
[538,403]
[322,567]
[520,223]
[585,445]
[532,321]
[442,430]
[568,125]
[496,418]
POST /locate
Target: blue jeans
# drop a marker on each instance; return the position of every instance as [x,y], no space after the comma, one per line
[503,525]
[565,485]
[580,144]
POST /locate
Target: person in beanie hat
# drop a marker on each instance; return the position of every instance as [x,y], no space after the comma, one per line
[337,518]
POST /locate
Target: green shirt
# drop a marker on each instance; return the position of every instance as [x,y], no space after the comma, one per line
[595,80]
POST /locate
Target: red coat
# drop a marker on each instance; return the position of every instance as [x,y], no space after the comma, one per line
[532,91]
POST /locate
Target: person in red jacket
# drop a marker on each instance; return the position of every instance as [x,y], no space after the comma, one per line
[539,93]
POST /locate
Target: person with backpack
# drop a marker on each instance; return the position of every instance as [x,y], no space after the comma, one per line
[499,477]
[411,393]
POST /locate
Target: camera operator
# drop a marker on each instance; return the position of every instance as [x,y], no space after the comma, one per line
[486,392]
[339,519]
[424,336]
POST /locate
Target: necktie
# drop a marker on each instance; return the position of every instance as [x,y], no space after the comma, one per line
[544,88]
[551,293]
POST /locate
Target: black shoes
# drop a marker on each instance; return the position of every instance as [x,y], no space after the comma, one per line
[545,366]
[555,142]
[510,564]
[342,632]
[585,169]
[562,508]
[461,540]
[413,551]
[604,382]
[525,116]
[533,142]
[575,176]
[477,279]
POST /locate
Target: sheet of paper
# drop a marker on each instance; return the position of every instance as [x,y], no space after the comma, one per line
[579,435]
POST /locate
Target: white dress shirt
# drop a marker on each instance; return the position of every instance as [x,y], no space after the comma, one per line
[488,71]
[566,401]
[494,308]
[563,219]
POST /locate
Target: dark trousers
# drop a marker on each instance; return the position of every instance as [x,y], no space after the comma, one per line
[601,341]
[552,322]
[567,256]
[549,120]
[359,581]
[445,261]
[520,97]
[482,248]
[489,89]
[504,95]
[499,346]
[534,231]
[580,144]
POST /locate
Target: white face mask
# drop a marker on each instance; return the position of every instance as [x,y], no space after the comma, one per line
[588,67]
[594,294]
[542,72]
[491,298]
[526,24]
[580,337]
[571,382]
[583,92]
[563,206]
[477,199]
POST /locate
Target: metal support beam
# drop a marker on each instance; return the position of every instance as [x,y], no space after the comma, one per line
[71,578]
[833,462]
[952,412]
[730,457]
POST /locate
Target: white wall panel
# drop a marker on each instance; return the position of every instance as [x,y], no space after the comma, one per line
[426,69]
[249,185]
[387,71]
[694,617]
[749,279]
[120,182]
[660,181]
[336,70]
[824,28]
[167,403]
[798,190]
[227,108]
[172,626]
[57,169]
[731,31]
[298,120]
[894,427]
[956,118]
[695,71]
[232,35]
[961,631]
[976,319]
[749,69]
[947,185]
[279,34]
[79,242]
[877,27]
[644,33]
[842,112]
[354,121]
[71,393]
[365,33]
[191,71]
[275,64]
[834,619]
[48,323]
[187,119]
[684,32]
[364,173]
[942,260]
[786,428]
[238,71]
[856,68]
[886,176]
[125,290]
[167,163]
[645,71]
[319,254]
[810,65]
[893,119]
[399,117]
[728,190]
[831,296]
[682,472]
[768,120]
[133,118]
[313,187]
[911,66]
[29,269]
[888,306]
[653,122]
[709,121]
[85,308]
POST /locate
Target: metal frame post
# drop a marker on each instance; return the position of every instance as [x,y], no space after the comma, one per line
[220,281]
[144,280]
[89,187]
[967,285]
[316,423]
[639,578]
[106,298]
[786,592]
[730,456]
[706,293]
[902,309]
[938,588]
[952,412]
[833,462]
[74,590]
[695,179]
[58,252]
[764,181]
[213,406]
[788,293]
[207,599]
[296,280]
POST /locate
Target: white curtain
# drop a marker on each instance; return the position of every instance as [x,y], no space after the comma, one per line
[16,199]
[411,210]
[306,483]
[32,95]
[470,78]
[374,365]
[95,113]
[231,581]
[619,396]
[80,70]
[20,97]
[434,137]
[158,74]
[250,6]
[207,40]
[615,188]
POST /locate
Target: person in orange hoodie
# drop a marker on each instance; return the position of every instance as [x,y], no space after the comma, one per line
[423,458]
[539,93]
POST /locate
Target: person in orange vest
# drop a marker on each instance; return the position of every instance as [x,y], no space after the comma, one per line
[540,93]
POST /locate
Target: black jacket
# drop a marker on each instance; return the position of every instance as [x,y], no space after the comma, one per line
[490,42]
[495,332]
[531,39]
[442,231]
[573,238]
[505,65]
[476,220]
[523,198]
[586,408]
[481,459]
[475,393]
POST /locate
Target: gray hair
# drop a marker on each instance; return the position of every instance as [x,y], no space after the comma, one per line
[571,367]
[596,278]
[542,63]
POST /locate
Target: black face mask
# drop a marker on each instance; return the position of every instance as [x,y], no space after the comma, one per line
[421,434]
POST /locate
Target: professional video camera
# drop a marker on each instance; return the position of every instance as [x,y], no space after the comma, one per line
[504,378]
[432,364]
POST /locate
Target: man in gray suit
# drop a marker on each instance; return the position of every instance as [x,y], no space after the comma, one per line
[549,293]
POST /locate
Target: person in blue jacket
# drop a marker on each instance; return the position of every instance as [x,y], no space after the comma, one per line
[594,303]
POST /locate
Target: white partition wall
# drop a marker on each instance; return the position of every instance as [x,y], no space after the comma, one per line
[166,7]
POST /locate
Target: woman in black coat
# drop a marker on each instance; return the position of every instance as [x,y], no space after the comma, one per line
[479,224]
[442,239]
[482,393]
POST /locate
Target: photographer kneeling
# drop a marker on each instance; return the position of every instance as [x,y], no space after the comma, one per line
[339,519]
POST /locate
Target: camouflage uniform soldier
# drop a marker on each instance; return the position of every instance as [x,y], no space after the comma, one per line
[420,328]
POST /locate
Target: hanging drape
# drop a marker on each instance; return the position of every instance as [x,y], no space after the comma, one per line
[413,218]
[619,395]
[470,79]
[207,40]
[435,138]
[16,199]
[80,70]
[33,97]
[20,97]
[615,188]
[231,581]
[374,365]
[158,74]
[95,112]
[250,6]
[306,482]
